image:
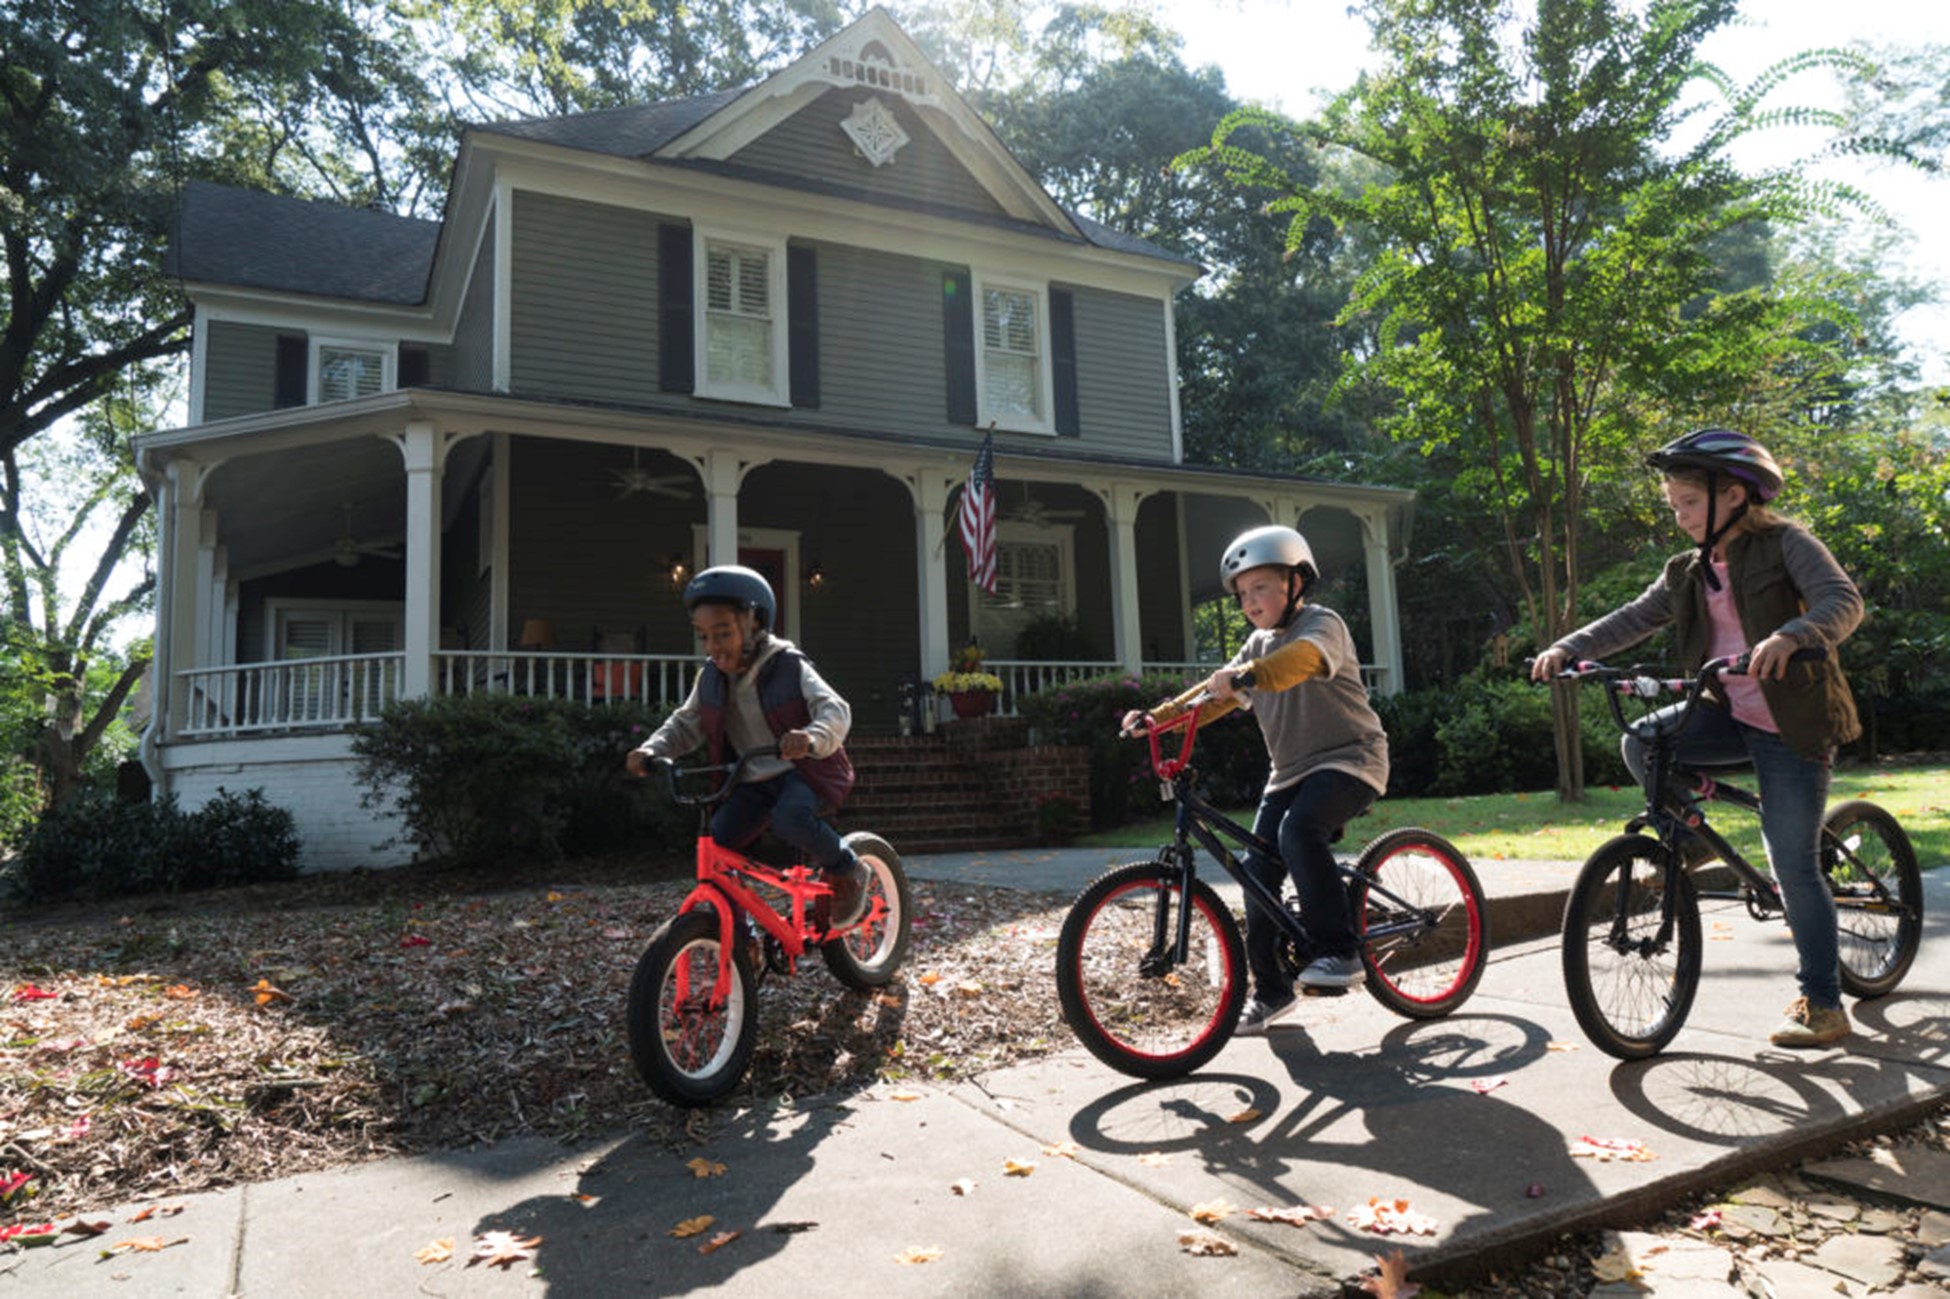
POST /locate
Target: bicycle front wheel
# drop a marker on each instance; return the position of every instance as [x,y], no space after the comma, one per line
[1630,980]
[870,954]
[689,1051]
[1128,1001]
[1871,869]
[1426,938]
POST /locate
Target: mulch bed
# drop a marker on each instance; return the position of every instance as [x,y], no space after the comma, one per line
[152,1048]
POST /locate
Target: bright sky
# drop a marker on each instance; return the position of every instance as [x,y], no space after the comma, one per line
[1286,53]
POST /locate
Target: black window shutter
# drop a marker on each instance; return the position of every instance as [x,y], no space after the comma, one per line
[802,323]
[958,342]
[1063,360]
[415,366]
[291,386]
[676,344]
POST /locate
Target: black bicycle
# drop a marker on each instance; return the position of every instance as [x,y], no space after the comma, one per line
[1150,966]
[1631,925]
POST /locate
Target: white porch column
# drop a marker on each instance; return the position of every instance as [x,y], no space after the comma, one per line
[177,623]
[424,450]
[1121,501]
[1383,615]
[930,487]
[209,591]
[497,505]
[723,472]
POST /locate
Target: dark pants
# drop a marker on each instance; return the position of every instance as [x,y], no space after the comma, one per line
[1303,819]
[791,807]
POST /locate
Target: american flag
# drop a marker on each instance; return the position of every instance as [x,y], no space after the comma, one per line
[978,517]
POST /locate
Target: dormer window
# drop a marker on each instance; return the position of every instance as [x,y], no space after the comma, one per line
[345,370]
[742,320]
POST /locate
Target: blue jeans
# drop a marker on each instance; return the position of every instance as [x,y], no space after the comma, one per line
[789,803]
[1304,819]
[1793,796]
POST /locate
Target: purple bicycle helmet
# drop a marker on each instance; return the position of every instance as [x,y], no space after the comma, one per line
[1723,451]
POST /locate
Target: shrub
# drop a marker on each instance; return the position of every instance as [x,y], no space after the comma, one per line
[21,797]
[1490,736]
[500,779]
[95,846]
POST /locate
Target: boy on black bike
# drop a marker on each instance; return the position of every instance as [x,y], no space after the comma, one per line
[1328,752]
[757,689]
[1756,584]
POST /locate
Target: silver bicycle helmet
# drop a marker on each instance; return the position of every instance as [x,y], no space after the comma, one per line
[1258,547]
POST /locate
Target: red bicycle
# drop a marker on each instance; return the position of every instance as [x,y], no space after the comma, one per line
[693,1008]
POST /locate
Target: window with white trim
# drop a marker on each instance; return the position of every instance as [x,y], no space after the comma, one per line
[742,321]
[344,370]
[1035,577]
[1013,386]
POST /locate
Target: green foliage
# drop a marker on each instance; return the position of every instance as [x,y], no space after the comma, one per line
[501,780]
[21,798]
[1487,736]
[95,846]
[1054,638]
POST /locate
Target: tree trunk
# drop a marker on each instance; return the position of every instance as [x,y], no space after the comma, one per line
[1570,741]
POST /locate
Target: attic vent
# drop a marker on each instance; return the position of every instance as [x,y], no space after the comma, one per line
[875,68]
[874,131]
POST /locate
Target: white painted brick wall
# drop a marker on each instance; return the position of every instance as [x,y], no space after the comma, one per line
[311,776]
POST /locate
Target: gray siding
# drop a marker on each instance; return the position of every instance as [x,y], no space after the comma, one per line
[472,363]
[880,343]
[1123,383]
[583,304]
[240,369]
[811,145]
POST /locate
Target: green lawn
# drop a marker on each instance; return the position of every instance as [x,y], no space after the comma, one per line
[1497,827]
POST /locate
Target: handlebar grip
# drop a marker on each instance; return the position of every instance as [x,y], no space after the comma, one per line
[1243,680]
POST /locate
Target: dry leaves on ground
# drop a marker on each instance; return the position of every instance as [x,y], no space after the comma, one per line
[173,1045]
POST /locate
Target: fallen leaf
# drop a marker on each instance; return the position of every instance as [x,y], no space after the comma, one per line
[968,988]
[891,1000]
[29,992]
[1704,1221]
[145,1244]
[82,1227]
[905,1096]
[692,1226]
[437,1252]
[266,993]
[718,1242]
[1384,1217]
[963,1186]
[418,940]
[148,1069]
[702,1167]
[1484,1086]
[1560,1046]
[1392,1282]
[180,992]
[502,1249]
[1246,1115]
[1154,1159]
[1296,1217]
[1614,1266]
[1211,1211]
[586,1200]
[1062,1150]
[1607,1149]
[1016,1168]
[1205,1244]
[919,1254]
[929,979]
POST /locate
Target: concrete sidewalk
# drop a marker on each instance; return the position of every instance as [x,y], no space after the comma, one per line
[1475,1120]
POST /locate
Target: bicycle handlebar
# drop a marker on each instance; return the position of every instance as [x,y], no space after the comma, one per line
[673,773]
[1164,767]
[1640,682]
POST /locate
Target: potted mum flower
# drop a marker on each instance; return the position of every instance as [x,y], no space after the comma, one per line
[970,690]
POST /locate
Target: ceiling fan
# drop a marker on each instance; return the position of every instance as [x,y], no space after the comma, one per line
[636,479]
[1035,512]
[347,550]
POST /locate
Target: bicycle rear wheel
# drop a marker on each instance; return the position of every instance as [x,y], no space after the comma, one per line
[1132,1006]
[1630,988]
[1432,960]
[1871,869]
[690,1052]
[870,954]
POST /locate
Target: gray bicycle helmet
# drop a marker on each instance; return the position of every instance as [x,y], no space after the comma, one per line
[1258,547]
[735,585]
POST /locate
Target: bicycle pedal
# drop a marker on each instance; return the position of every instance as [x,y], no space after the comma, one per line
[1307,990]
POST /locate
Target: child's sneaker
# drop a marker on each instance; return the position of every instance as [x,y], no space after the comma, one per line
[1258,1015]
[1333,972]
[1808,1025]
[847,877]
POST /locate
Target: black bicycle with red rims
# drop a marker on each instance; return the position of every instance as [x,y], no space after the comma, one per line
[1150,965]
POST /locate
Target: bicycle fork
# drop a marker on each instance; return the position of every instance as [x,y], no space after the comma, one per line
[1171,930]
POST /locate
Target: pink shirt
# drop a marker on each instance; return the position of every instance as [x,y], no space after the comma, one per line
[1729,641]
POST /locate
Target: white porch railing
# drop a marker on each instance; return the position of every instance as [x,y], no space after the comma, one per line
[331,691]
[1027,676]
[660,679]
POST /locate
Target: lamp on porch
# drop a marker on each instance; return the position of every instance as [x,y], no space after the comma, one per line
[680,572]
[536,633]
[816,575]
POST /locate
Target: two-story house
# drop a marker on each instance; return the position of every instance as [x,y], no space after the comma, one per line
[768,325]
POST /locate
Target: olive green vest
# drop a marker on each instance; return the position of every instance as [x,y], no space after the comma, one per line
[1812,704]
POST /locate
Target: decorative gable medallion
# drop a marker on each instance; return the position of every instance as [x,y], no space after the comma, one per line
[873,64]
[874,131]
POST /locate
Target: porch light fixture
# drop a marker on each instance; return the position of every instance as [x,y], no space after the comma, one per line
[816,576]
[679,572]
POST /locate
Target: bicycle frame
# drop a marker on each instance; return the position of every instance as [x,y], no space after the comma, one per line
[1197,819]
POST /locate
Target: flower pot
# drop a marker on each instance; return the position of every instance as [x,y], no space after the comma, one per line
[972,703]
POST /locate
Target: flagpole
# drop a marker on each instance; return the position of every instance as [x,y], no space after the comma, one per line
[953,523]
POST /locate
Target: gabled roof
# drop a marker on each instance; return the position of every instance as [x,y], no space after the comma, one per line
[636,131]
[246,237]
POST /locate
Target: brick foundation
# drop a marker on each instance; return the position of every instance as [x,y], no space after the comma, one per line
[973,784]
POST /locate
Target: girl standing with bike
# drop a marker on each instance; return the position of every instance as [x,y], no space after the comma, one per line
[1758,585]
[1329,757]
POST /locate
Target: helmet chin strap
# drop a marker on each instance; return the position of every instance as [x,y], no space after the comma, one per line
[1714,534]
[1293,597]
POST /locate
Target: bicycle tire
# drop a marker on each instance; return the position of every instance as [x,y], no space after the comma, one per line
[689,1053]
[1863,846]
[1630,998]
[1429,974]
[869,954]
[1155,1023]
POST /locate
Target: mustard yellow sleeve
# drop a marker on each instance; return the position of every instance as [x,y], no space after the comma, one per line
[1210,709]
[1288,666]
